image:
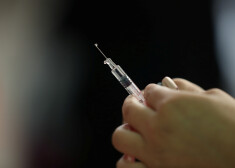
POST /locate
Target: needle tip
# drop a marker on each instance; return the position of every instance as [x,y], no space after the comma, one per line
[96,45]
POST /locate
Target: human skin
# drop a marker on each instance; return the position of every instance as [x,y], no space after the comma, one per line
[187,128]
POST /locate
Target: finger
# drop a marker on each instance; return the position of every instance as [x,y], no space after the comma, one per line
[187,85]
[129,158]
[136,114]
[156,95]
[122,163]
[168,82]
[128,142]
[218,93]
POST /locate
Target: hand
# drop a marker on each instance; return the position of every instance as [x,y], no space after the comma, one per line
[190,128]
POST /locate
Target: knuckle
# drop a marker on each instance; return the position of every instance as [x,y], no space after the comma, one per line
[151,127]
[115,139]
[178,80]
[127,108]
[213,91]
[149,86]
[171,103]
[167,102]
[119,163]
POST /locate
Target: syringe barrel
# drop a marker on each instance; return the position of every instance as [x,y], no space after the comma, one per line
[118,72]
[127,83]
[135,91]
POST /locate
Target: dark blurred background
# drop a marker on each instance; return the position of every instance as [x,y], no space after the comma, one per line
[75,103]
[150,39]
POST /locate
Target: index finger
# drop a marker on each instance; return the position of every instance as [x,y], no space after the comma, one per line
[156,95]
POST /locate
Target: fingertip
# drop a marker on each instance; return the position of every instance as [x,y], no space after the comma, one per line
[127,141]
[155,95]
[116,136]
[168,82]
[149,88]
[123,163]
[128,97]
[152,88]
[113,138]
[129,101]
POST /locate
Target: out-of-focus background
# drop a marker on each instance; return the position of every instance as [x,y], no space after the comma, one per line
[60,103]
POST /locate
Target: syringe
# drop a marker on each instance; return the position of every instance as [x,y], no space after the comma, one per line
[130,86]
[123,78]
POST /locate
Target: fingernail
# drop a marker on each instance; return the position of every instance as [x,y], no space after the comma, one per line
[129,158]
[168,82]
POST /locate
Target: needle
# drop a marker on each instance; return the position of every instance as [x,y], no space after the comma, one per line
[96,45]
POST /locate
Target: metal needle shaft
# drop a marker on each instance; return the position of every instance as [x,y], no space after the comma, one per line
[96,45]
